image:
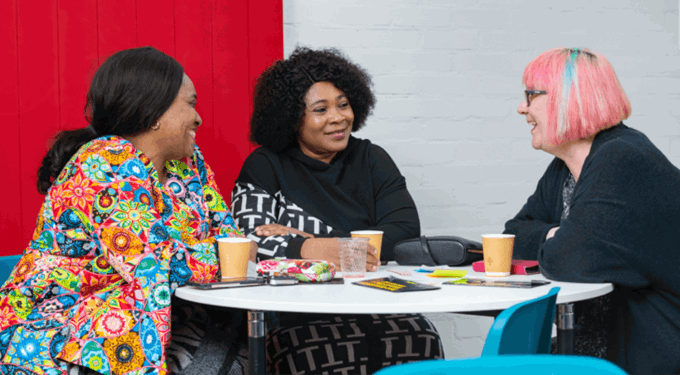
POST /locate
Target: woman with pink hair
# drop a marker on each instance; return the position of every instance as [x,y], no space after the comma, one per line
[607,209]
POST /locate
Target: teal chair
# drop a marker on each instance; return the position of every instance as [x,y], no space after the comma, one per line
[524,328]
[6,266]
[509,365]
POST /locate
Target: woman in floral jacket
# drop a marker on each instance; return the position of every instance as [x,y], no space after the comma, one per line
[132,212]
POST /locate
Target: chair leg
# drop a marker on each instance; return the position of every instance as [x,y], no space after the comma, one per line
[565,328]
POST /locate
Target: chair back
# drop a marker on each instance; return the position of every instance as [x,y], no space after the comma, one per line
[524,328]
[509,365]
[6,265]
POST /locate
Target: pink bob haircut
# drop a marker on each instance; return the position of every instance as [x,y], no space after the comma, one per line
[584,94]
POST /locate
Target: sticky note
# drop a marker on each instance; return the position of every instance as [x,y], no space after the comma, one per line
[448,273]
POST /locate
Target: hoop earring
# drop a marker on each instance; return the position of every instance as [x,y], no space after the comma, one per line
[157,126]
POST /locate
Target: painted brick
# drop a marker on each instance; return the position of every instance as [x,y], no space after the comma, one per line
[451,39]
[389,39]
[397,84]
[290,38]
[422,17]
[674,148]
[475,128]
[491,62]
[337,14]
[314,37]
[450,85]
[395,108]
[504,41]
[482,106]
[502,84]
[479,19]
[457,4]
[399,61]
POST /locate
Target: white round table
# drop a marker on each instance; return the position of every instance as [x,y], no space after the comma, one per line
[348,298]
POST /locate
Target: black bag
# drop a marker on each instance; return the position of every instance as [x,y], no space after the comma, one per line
[434,251]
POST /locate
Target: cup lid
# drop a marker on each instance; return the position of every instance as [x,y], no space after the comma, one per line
[498,236]
[234,239]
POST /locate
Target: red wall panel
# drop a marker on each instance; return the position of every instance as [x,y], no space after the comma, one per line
[10,188]
[51,49]
[193,49]
[77,54]
[38,67]
[116,25]
[157,26]
[232,89]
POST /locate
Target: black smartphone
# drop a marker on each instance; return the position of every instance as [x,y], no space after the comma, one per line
[232,283]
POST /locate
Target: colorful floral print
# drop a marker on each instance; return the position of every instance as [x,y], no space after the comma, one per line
[134,216]
[308,271]
[111,244]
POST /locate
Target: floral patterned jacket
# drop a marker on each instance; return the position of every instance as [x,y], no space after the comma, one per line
[111,244]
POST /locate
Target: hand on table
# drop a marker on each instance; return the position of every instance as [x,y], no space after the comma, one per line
[327,249]
[253,252]
[279,230]
[372,262]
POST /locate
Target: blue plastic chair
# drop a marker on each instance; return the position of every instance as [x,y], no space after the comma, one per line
[509,365]
[524,328]
[6,265]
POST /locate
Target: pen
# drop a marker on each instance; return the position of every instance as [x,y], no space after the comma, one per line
[499,283]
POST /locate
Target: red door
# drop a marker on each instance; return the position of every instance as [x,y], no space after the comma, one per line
[51,49]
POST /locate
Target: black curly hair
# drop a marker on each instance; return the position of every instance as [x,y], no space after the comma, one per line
[127,95]
[278,103]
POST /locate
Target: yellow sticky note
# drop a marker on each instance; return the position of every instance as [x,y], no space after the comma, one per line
[448,273]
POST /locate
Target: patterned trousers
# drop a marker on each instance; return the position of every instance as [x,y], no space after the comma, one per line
[349,344]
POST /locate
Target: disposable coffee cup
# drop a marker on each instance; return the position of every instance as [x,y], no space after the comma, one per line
[497,249]
[374,238]
[353,256]
[234,254]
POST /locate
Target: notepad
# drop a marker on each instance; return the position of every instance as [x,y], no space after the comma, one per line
[395,284]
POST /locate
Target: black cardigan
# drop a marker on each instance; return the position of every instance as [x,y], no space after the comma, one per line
[623,228]
[361,188]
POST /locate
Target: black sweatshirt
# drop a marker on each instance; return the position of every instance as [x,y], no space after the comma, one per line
[360,189]
[623,228]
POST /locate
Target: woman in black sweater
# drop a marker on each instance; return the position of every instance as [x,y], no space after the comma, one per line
[606,210]
[312,182]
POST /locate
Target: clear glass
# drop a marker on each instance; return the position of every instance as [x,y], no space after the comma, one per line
[353,256]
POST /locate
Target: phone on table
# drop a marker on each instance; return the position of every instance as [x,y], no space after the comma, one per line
[246,281]
[237,282]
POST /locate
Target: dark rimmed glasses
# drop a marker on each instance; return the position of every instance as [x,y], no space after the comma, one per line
[531,93]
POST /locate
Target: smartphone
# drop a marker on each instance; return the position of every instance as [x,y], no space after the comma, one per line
[283,280]
[233,283]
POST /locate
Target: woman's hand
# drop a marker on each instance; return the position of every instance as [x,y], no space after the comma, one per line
[279,230]
[551,233]
[327,249]
[253,252]
[372,262]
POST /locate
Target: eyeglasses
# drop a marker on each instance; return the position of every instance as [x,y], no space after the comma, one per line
[530,93]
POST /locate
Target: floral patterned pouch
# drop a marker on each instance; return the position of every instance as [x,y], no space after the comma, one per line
[308,271]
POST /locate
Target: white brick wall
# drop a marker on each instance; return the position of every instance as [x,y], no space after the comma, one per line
[447,74]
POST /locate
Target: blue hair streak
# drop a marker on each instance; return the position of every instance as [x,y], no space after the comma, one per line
[569,78]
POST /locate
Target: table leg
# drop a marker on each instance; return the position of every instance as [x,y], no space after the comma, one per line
[256,343]
[565,328]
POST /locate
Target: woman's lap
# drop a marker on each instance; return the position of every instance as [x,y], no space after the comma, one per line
[350,344]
